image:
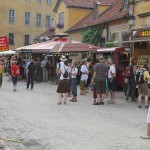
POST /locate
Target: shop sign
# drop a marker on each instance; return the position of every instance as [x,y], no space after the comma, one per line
[141,33]
[4,43]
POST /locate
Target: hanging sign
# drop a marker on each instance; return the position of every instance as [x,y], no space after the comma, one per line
[4,43]
[141,33]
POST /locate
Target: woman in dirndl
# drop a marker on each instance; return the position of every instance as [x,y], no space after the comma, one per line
[64,83]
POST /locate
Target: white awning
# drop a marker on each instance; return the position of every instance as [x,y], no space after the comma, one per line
[10,52]
[112,49]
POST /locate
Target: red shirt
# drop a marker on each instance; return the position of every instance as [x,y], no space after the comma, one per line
[14,70]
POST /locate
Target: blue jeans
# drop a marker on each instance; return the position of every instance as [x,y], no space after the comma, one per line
[14,79]
[30,80]
[45,75]
[74,86]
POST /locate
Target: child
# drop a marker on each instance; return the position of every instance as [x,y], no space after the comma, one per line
[15,71]
[1,73]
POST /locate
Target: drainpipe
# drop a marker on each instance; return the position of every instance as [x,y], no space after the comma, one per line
[131,23]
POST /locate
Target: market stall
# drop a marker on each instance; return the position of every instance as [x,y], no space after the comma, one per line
[141,45]
[58,46]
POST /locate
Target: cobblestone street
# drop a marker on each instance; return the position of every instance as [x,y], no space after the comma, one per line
[32,120]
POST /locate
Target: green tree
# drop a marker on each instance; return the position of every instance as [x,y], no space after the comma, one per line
[91,35]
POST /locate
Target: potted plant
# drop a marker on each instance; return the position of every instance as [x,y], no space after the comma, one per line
[60,25]
[51,29]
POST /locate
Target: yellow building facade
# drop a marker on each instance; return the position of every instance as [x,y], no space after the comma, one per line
[72,15]
[141,19]
[22,20]
[75,15]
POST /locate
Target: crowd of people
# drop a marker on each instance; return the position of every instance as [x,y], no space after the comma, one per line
[28,69]
[99,77]
[137,79]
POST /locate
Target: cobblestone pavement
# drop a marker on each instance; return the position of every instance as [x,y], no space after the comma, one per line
[32,120]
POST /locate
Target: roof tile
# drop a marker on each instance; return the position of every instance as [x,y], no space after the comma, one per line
[112,13]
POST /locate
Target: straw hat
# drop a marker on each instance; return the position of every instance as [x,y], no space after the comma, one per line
[63,58]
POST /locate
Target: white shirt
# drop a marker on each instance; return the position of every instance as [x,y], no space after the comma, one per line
[74,70]
[44,63]
[85,70]
[60,64]
[62,69]
[112,69]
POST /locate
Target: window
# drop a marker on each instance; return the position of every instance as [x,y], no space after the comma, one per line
[61,18]
[26,39]
[102,41]
[48,21]
[27,18]
[49,2]
[11,16]
[39,1]
[38,20]
[11,39]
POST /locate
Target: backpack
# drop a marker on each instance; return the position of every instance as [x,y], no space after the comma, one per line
[139,77]
[17,71]
[59,65]
[79,73]
[47,66]
[66,74]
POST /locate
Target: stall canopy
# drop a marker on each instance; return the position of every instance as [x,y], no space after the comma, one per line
[112,49]
[58,45]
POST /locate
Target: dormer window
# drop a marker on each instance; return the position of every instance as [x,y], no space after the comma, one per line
[125,4]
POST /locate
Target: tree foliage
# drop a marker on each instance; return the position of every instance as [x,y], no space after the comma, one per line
[91,35]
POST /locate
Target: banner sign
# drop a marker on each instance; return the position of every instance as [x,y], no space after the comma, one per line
[141,33]
[4,43]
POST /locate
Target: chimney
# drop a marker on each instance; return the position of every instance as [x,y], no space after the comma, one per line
[96,9]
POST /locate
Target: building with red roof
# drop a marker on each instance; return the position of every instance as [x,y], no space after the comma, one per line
[111,15]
